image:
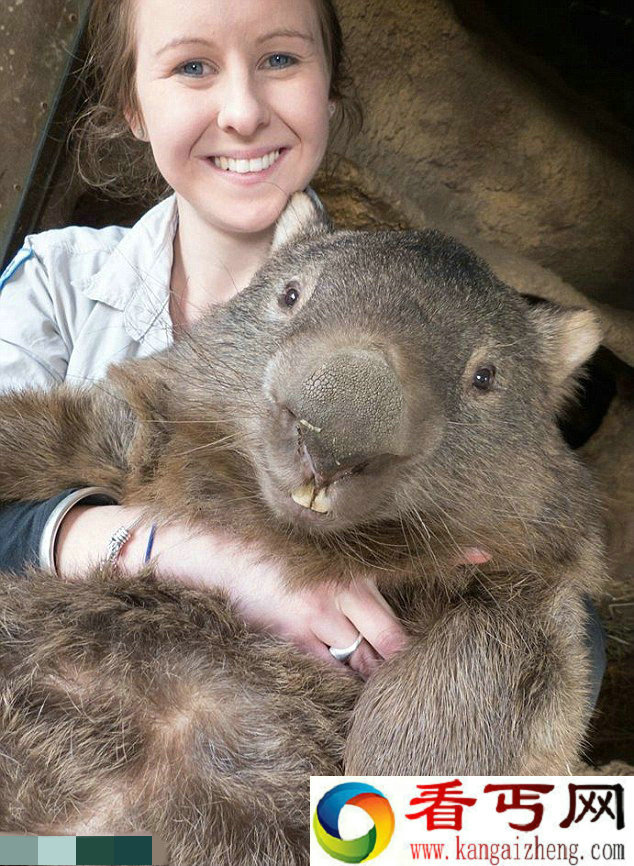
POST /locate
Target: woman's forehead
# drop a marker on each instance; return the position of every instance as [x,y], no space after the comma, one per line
[161,23]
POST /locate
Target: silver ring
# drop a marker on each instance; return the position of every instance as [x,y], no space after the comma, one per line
[342,655]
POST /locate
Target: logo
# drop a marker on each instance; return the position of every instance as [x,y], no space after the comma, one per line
[326,822]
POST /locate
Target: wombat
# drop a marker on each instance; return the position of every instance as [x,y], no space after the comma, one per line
[373,403]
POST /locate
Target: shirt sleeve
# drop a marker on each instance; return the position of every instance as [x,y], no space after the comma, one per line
[33,352]
[22,525]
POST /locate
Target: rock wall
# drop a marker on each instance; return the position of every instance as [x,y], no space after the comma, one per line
[474,146]
[36,47]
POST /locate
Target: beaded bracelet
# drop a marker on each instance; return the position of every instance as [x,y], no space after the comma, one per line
[122,535]
[118,539]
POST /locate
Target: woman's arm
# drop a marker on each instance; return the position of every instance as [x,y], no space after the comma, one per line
[33,350]
[33,354]
[25,526]
[255,583]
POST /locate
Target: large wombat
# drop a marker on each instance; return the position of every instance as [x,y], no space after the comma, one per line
[371,404]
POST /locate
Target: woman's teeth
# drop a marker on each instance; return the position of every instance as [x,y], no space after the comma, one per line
[242,166]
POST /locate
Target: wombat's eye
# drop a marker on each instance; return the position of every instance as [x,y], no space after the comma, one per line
[290,295]
[484,377]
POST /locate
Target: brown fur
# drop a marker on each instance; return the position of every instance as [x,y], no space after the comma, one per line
[130,703]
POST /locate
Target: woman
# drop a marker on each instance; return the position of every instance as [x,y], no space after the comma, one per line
[234,100]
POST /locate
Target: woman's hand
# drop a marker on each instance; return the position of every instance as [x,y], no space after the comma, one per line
[327,615]
[313,619]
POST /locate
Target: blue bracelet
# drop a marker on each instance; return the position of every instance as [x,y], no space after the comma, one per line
[150,543]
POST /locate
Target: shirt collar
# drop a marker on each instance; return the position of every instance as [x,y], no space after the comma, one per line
[137,273]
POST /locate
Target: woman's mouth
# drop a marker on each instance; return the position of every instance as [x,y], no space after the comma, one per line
[247,166]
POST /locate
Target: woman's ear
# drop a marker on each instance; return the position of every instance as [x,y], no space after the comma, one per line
[303,215]
[136,124]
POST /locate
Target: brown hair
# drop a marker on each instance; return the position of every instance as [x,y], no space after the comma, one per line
[108,156]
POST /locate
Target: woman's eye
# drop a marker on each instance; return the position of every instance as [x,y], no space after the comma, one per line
[192,69]
[280,61]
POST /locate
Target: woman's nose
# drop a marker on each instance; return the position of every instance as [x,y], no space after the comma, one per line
[243,108]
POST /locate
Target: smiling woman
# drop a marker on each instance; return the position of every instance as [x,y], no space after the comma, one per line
[103,123]
[256,85]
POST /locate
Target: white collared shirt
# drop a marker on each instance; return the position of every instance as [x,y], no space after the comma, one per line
[77,299]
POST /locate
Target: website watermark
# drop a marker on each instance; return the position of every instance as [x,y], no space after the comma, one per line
[472,819]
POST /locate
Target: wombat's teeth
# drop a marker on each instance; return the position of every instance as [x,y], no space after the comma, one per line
[321,503]
[305,495]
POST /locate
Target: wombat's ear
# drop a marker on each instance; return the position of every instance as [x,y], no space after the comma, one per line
[570,338]
[303,215]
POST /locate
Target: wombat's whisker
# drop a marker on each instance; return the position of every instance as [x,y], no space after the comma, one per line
[248,497]
[380,544]
[534,520]
[212,365]
[500,422]
[404,533]
[478,507]
[419,528]
[412,511]
[351,552]
[372,544]
[173,422]
[415,523]
[436,482]
[217,443]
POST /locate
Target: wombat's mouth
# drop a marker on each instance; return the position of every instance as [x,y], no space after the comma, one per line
[309,505]
[316,493]
[313,497]
[302,502]
[352,498]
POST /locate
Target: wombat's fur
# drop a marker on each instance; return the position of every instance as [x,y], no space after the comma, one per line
[131,703]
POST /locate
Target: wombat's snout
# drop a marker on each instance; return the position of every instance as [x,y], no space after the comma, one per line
[348,410]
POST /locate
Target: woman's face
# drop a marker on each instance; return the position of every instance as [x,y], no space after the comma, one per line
[233,98]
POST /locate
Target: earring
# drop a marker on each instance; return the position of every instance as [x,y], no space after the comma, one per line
[140,133]
[331,108]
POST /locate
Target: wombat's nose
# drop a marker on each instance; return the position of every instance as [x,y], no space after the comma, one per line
[349,410]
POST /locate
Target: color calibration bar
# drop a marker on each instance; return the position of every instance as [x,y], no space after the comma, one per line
[81,851]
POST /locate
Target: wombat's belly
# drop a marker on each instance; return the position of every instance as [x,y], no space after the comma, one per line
[136,705]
